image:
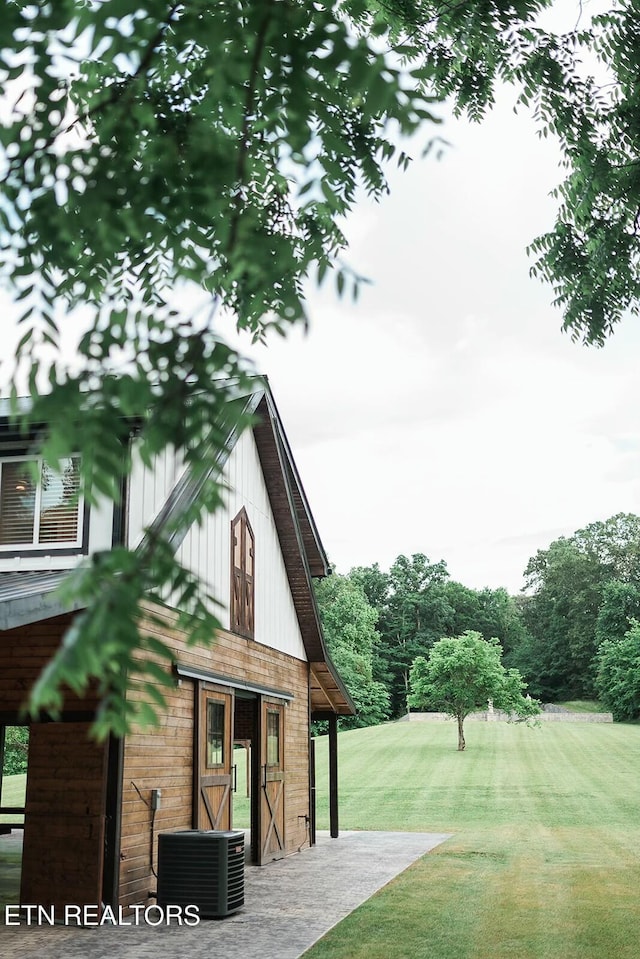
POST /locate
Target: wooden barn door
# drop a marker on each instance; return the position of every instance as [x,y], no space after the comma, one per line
[215,757]
[272,844]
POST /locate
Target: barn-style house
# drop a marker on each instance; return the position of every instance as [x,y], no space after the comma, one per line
[90,829]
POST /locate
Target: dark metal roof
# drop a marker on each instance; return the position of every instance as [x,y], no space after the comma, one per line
[27,597]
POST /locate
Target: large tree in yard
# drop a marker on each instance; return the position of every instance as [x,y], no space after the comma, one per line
[152,149]
[462,674]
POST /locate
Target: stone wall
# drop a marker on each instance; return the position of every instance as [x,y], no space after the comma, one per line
[497,716]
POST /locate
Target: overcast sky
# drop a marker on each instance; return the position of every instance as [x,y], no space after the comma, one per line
[446,413]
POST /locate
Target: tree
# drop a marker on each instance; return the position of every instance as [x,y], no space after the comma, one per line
[561,618]
[618,674]
[619,606]
[417,605]
[413,616]
[348,623]
[570,609]
[374,582]
[461,674]
[16,750]
[146,149]
[493,612]
[145,152]
[582,87]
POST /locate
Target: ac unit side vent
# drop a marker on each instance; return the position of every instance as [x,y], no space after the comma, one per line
[203,868]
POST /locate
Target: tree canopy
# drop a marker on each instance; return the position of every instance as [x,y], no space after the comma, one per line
[462,674]
[417,604]
[581,85]
[146,151]
[349,626]
[582,590]
[152,149]
[618,674]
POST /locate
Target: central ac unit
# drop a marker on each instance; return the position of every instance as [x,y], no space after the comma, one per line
[203,868]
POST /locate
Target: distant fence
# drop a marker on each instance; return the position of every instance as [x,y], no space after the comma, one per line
[549,714]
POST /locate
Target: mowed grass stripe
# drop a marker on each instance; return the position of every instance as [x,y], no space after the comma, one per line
[545,856]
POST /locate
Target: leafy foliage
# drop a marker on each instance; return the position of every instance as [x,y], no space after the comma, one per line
[412,614]
[618,674]
[461,674]
[620,604]
[146,153]
[349,622]
[417,605]
[581,86]
[16,750]
[492,612]
[583,588]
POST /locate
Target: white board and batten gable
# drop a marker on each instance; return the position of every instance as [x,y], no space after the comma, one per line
[206,549]
[149,490]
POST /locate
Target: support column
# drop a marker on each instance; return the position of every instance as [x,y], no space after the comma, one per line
[333,776]
[312,791]
[111,871]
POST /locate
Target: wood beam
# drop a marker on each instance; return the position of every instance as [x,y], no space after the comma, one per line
[333,776]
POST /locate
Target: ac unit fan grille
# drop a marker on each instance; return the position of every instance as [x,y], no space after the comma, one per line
[204,868]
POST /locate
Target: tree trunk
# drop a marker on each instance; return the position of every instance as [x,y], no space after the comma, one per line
[461,742]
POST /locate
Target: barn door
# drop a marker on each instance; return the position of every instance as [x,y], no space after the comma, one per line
[272,845]
[215,755]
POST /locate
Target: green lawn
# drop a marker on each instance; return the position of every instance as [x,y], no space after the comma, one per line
[13,793]
[544,862]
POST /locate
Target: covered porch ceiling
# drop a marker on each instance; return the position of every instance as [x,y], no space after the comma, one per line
[328,695]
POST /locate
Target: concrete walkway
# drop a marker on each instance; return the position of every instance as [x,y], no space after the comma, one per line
[289,905]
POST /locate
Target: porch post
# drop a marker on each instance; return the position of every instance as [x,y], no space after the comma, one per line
[333,776]
[113,825]
[312,791]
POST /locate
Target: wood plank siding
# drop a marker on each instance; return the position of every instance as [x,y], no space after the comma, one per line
[63,849]
[66,778]
[24,652]
[162,758]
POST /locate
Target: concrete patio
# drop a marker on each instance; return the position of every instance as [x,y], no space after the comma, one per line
[289,905]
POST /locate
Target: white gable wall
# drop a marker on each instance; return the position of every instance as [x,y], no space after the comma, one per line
[149,489]
[206,549]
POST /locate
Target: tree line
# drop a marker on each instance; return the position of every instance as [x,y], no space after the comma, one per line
[572,633]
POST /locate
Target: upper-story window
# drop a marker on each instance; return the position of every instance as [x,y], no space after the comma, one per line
[242,575]
[39,506]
